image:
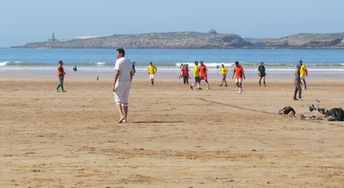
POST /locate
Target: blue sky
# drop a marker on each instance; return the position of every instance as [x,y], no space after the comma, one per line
[23,21]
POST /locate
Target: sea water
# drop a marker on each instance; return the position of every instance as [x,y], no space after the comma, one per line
[102,60]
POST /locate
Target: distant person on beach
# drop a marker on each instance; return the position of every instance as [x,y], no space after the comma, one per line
[261,74]
[303,73]
[133,64]
[298,84]
[122,80]
[151,72]
[223,71]
[185,72]
[203,73]
[75,69]
[238,71]
[60,73]
[196,76]
[181,71]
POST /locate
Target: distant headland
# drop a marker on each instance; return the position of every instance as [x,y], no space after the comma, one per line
[196,40]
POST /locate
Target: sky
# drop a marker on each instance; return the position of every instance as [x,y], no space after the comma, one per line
[23,21]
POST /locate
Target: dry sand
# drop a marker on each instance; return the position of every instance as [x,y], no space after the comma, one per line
[175,138]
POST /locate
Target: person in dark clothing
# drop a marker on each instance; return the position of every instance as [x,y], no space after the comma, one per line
[133,64]
[298,84]
[262,74]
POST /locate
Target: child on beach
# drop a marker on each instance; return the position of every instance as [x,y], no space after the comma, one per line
[196,76]
[60,74]
[238,71]
[203,73]
[151,72]
[223,71]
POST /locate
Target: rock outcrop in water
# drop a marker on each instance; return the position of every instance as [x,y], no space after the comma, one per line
[196,40]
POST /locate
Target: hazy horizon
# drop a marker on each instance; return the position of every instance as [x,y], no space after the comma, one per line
[34,21]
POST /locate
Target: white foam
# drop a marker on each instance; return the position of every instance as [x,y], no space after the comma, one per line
[3,63]
[207,64]
[100,63]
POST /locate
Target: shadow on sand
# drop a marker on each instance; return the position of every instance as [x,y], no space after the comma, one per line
[158,122]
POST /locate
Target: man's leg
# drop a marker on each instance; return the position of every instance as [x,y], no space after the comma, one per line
[58,87]
[240,89]
[120,112]
[192,85]
[304,82]
[125,109]
[62,87]
[62,82]
[260,81]
[295,93]
[264,81]
[206,81]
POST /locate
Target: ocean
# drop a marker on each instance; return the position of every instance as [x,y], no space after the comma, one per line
[102,60]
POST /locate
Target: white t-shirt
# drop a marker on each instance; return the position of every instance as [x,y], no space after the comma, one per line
[125,67]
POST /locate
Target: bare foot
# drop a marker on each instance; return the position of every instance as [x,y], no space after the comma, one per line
[125,120]
[121,120]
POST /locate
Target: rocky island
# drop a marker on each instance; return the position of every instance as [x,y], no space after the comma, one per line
[197,40]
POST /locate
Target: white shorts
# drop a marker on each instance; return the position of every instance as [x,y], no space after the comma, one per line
[238,80]
[303,76]
[151,76]
[121,94]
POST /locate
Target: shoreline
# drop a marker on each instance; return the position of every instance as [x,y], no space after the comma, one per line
[167,73]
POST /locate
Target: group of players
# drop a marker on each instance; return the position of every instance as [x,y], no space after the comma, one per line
[200,72]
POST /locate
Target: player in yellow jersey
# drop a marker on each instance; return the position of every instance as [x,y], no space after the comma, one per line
[223,71]
[303,73]
[196,75]
[151,72]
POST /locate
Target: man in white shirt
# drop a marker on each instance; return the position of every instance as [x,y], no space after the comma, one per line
[121,86]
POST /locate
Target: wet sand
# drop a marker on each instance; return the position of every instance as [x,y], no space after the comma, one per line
[175,137]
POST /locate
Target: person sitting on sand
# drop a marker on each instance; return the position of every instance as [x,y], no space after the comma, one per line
[60,73]
[196,76]
[261,74]
[223,71]
[151,72]
[203,73]
[238,71]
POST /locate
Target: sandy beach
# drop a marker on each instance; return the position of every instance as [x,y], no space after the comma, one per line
[175,137]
